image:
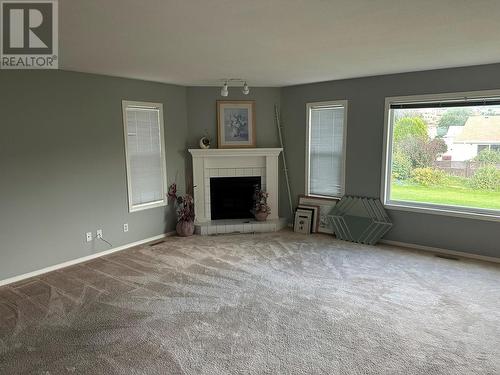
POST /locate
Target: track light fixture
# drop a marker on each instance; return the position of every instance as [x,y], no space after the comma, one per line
[224,91]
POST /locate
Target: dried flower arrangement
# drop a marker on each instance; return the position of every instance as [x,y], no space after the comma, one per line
[185,204]
[261,208]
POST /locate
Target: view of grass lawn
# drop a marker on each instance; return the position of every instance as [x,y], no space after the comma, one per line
[446,157]
[455,194]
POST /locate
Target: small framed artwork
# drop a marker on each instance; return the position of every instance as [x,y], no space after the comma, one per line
[325,206]
[307,210]
[236,123]
[303,221]
[315,217]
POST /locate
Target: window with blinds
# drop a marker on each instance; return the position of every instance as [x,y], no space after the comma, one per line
[145,154]
[325,148]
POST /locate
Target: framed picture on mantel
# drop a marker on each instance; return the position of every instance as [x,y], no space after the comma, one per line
[236,123]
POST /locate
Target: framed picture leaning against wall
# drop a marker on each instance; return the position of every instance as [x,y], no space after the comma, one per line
[325,206]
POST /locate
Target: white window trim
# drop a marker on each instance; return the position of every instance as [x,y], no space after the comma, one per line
[436,209]
[309,106]
[147,105]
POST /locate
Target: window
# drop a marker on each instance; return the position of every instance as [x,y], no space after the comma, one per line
[442,154]
[325,148]
[145,154]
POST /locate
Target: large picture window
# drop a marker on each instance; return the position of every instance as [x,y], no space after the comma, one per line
[145,154]
[325,147]
[443,154]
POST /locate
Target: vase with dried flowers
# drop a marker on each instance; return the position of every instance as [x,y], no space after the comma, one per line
[261,209]
[185,211]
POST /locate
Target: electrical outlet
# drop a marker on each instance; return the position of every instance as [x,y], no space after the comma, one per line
[125,227]
[88,236]
[99,233]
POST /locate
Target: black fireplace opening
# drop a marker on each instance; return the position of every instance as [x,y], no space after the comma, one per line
[232,197]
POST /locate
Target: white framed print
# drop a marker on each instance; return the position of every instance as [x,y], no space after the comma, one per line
[325,206]
[303,221]
[315,217]
[236,123]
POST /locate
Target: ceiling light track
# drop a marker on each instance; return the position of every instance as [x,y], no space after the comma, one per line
[224,91]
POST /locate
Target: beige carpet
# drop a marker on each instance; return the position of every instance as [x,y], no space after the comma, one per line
[277,303]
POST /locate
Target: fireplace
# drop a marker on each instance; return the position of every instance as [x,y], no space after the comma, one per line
[232,197]
[226,209]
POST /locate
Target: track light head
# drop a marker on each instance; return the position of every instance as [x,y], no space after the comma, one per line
[246,89]
[224,91]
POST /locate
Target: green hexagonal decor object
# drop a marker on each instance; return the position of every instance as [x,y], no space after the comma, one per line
[360,219]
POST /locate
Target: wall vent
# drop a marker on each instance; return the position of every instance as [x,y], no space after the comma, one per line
[156,243]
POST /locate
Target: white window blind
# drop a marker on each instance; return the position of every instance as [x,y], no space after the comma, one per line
[326,149]
[145,154]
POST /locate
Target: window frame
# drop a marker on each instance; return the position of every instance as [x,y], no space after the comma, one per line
[430,208]
[146,105]
[309,106]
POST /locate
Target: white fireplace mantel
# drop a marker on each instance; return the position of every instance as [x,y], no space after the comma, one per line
[238,162]
[224,152]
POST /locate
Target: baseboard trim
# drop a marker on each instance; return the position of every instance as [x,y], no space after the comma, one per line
[438,250]
[72,262]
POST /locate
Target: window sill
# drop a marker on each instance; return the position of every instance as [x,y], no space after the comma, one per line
[147,206]
[407,206]
[327,197]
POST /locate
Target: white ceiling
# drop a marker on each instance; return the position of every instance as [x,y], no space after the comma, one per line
[274,42]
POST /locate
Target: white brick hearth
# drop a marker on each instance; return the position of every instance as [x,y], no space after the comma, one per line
[261,162]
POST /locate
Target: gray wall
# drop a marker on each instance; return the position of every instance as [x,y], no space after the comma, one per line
[202,114]
[365,141]
[62,165]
